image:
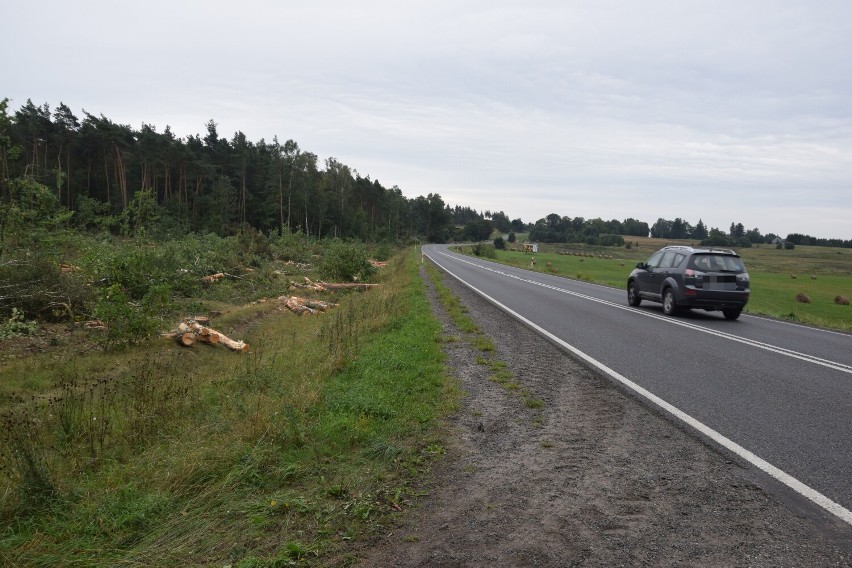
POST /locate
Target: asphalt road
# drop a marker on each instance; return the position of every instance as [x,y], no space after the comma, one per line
[783,392]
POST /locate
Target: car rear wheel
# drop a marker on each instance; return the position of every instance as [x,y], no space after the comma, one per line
[731,314]
[633,294]
[669,303]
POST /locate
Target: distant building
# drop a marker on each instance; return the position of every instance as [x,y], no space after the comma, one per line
[779,241]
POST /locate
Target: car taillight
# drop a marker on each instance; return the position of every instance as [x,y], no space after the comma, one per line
[694,277]
[742,281]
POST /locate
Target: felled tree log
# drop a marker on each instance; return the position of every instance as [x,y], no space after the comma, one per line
[304,305]
[186,339]
[201,333]
[332,286]
[191,331]
[308,284]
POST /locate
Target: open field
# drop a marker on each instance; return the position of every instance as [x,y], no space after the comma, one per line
[777,275]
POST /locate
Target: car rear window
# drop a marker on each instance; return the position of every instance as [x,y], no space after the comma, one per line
[716,263]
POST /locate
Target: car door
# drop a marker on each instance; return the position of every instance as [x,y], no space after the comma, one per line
[668,266]
[645,277]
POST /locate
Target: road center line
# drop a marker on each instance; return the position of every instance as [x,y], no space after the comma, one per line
[804,490]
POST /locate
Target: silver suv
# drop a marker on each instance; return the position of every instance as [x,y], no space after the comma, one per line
[685,277]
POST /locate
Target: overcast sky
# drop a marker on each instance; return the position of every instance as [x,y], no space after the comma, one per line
[719,110]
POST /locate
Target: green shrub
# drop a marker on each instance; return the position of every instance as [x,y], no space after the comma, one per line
[291,246]
[129,323]
[16,326]
[485,250]
[382,252]
[608,240]
[345,262]
[93,214]
[254,248]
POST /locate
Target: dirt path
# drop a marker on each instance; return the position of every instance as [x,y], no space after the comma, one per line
[592,478]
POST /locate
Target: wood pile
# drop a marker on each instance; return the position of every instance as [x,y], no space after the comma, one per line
[193,330]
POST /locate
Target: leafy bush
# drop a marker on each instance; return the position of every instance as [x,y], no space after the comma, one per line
[93,214]
[485,250]
[253,247]
[26,213]
[499,243]
[130,323]
[16,326]
[382,252]
[345,262]
[291,246]
[608,240]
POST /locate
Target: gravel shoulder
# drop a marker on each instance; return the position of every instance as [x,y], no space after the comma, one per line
[593,477]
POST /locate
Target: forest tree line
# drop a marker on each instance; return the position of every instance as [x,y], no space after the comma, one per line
[115,177]
[108,174]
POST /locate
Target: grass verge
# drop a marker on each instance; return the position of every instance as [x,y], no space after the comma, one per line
[487,352]
[281,456]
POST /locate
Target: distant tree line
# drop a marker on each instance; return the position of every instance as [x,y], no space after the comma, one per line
[556,229]
[800,239]
[737,235]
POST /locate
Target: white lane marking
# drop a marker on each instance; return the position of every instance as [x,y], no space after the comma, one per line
[803,326]
[804,490]
[842,367]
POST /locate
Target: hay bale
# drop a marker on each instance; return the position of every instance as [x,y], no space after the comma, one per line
[793,276]
[803,298]
[841,300]
[813,276]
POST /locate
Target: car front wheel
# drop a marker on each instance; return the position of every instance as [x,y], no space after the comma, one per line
[633,294]
[669,303]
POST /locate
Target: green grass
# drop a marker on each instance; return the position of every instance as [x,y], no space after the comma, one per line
[206,457]
[773,290]
[499,372]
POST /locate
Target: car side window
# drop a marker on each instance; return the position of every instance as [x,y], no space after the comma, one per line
[654,261]
[668,260]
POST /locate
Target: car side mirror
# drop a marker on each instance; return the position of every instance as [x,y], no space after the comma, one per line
[640,265]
